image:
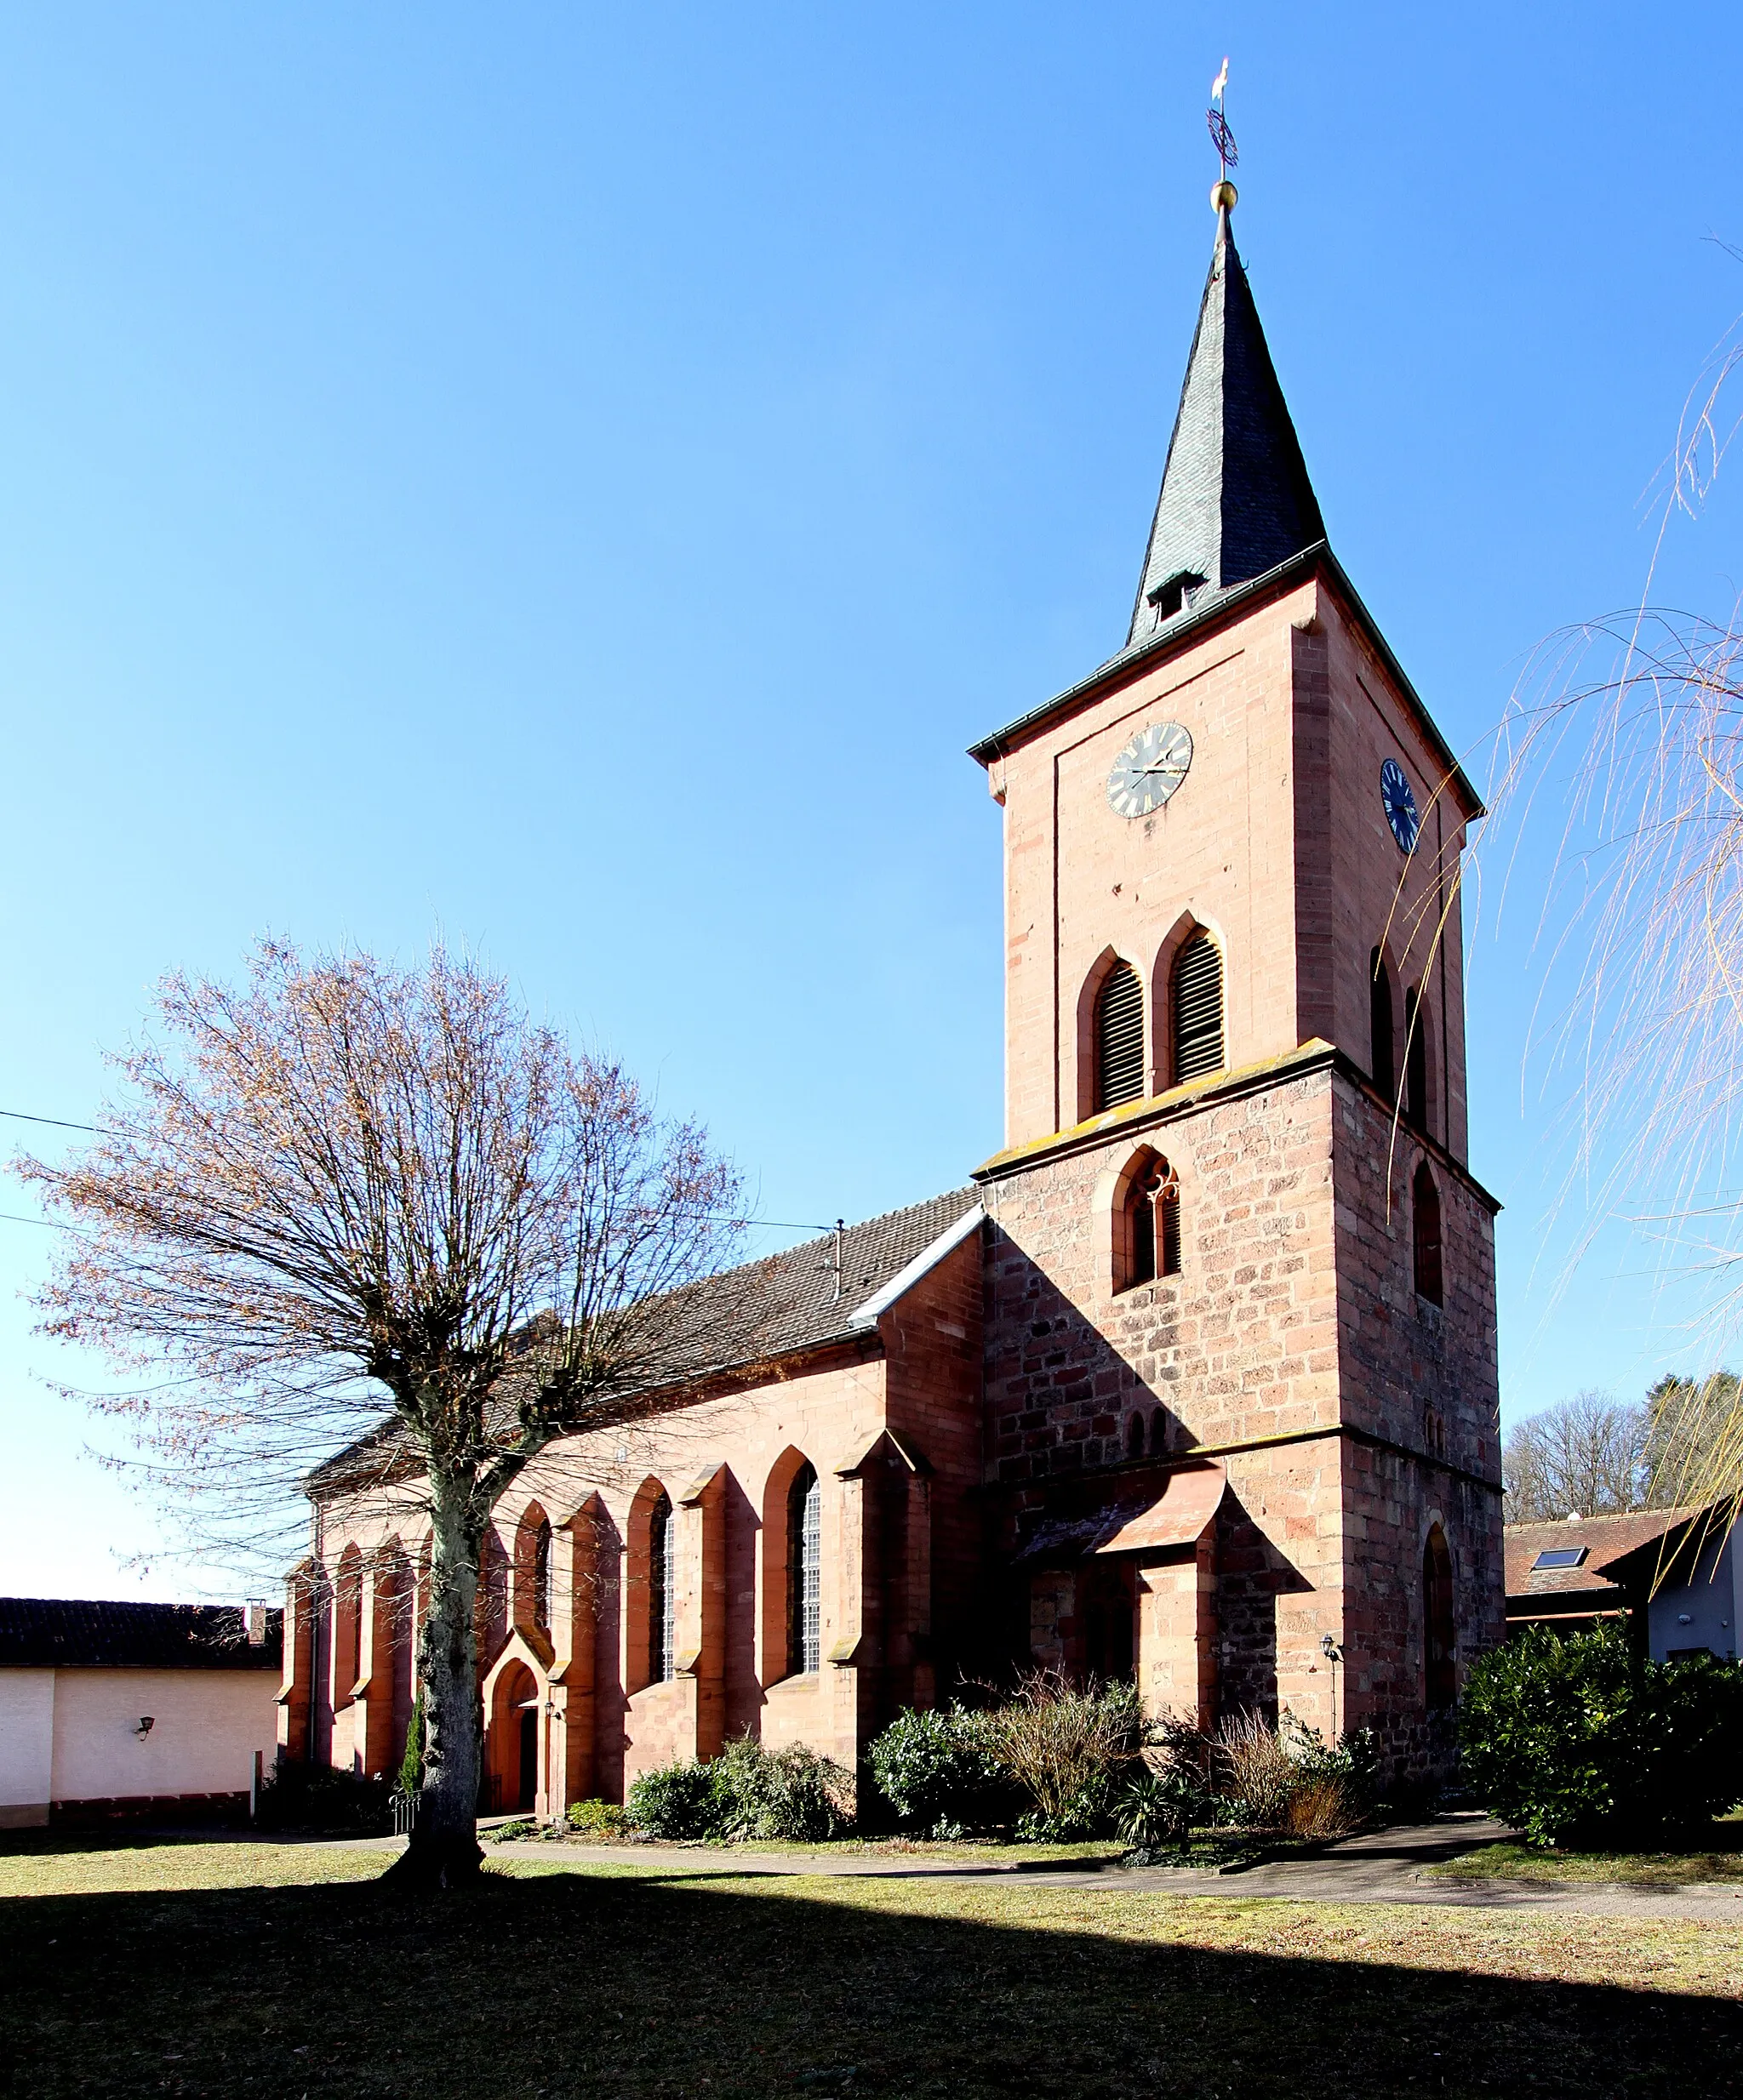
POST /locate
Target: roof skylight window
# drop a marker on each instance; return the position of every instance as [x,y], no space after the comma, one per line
[1559,1556]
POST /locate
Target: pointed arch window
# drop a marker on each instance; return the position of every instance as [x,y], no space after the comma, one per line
[1380,1026]
[1425,1235]
[662,1592]
[805,1562]
[1197,1015]
[1416,1059]
[541,1576]
[1134,1437]
[1119,1039]
[1152,1224]
[1438,1632]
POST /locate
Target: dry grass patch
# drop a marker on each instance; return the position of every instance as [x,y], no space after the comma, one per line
[1527,1863]
[57,1866]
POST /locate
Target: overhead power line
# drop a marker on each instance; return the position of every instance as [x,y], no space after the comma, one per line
[55,1122]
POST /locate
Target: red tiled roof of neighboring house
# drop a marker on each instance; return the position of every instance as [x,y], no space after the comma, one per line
[63,1633]
[1607,1539]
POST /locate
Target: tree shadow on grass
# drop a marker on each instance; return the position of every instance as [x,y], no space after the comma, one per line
[566,1984]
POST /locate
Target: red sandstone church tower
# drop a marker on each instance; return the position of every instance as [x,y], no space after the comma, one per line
[1241,1387]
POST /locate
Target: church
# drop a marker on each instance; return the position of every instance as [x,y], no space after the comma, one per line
[1193,1382]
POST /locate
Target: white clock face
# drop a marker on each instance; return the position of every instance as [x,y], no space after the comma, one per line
[1149,768]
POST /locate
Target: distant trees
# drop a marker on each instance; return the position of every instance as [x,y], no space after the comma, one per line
[1582,1455]
[1595,1455]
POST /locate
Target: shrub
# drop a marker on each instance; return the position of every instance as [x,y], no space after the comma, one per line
[1159,1808]
[411,1765]
[939,1768]
[1257,1775]
[317,1798]
[792,1794]
[746,1792]
[1069,1750]
[1323,1805]
[1576,1737]
[599,1818]
[675,1801]
[512,1832]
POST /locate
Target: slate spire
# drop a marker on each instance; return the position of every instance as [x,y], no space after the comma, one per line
[1235,500]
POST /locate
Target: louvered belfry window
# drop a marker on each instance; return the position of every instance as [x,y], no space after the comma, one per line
[1197,1009]
[805,1572]
[1119,1039]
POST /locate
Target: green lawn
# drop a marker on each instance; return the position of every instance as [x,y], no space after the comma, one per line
[1720,1859]
[229,1969]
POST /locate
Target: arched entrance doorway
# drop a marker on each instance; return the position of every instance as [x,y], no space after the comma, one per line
[512,1745]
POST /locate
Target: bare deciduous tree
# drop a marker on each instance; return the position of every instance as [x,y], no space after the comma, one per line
[347,1191]
[1582,1456]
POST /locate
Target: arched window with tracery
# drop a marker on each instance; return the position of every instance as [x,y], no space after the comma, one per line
[1425,1235]
[662,1592]
[1152,1224]
[804,1562]
[1439,1639]
[541,1576]
[1416,1059]
[1380,1026]
[1119,1039]
[1195,1017]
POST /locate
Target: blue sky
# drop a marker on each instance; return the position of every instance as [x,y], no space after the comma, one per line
[575,481]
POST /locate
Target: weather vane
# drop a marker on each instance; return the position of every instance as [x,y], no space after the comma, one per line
[1221,136]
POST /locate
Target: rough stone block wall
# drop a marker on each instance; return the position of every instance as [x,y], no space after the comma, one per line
[1423,1380]
[1241,1345]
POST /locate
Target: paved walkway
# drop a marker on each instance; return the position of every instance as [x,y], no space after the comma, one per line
[1380,1867]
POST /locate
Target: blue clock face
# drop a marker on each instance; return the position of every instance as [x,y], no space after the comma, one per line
[1400,806]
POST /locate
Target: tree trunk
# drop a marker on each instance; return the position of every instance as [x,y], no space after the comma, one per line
[444,1850]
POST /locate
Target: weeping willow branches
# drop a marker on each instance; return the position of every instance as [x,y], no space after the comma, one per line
[1636,720]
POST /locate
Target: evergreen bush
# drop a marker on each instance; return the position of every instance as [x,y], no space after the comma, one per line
[674,1801]
[1576,1737]
[597,1818]
[323,1800]
[939,1767]
[411,1765]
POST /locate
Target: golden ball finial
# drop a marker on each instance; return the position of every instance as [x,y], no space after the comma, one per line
[1224,196]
